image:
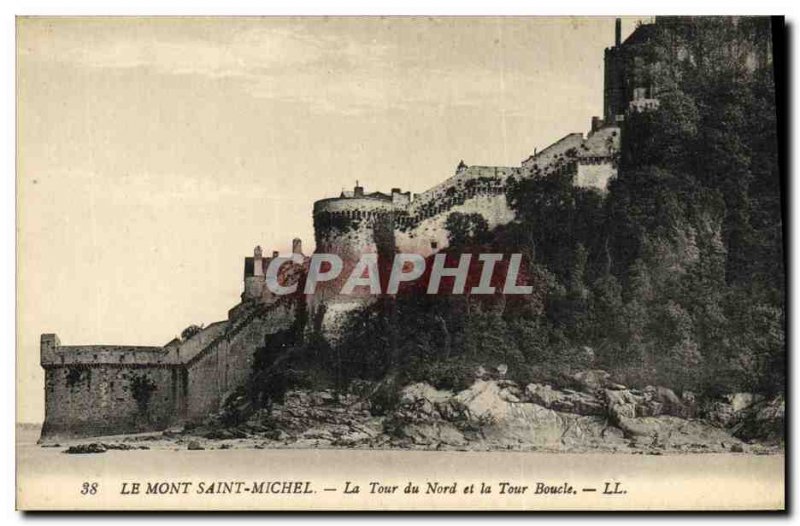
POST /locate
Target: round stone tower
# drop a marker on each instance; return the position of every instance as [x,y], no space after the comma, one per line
[355,223]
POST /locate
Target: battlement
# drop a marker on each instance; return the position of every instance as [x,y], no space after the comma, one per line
[176,352]
[53,353]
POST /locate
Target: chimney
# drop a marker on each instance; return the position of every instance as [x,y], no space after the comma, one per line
[258,264]
[618,32]
[297,246]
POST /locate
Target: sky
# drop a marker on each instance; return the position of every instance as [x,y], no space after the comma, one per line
[153,154]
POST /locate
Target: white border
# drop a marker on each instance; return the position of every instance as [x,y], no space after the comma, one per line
[297,7]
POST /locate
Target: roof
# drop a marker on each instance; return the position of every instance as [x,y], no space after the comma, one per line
[640,35]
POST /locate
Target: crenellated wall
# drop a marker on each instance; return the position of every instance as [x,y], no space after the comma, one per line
[346,225]
[429,235]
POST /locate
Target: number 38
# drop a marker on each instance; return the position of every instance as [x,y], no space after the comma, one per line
[89,488]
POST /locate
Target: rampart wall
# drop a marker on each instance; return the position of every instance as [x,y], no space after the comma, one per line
[105,389]
[225,364]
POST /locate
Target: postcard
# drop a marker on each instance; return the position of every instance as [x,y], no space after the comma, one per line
[401,263]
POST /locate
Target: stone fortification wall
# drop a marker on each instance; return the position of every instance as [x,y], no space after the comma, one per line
[105,389]
[554,157]
[102,389]
[225,364]
[473,189]
[91,400]
[597,159]
[468,183]
[590,162]
[430,235]
[346,225]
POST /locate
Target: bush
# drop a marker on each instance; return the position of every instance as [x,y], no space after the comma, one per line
[452,375]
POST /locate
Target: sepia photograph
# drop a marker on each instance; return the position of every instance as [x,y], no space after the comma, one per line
[401,263]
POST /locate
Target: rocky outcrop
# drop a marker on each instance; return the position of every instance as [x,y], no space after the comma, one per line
[565,400]
[730,409]
[648,402]
[764,420]
[494,413]
[84,449]
[497,414]
[426,416]
[505,420]
[98,447]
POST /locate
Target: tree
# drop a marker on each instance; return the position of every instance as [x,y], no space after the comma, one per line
[190,331]
[466,229]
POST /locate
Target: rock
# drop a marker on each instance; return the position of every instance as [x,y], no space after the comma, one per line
[219,434]
[652,401]
[565,400]
[592,380]
[318,434]
[483,400]
[732,409]
[764,421]
[720,413]
[173,432]
[434,433]
[194,445]
[509,392]
[505,424]
[662,400]
[741,401]
[612,433]
[670,432]
[495,414]
[481,373]
[542,394]
[426,416]
[421,391]
[120,447]
[82,449]
[622,403]
[326,397]
[422,402]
